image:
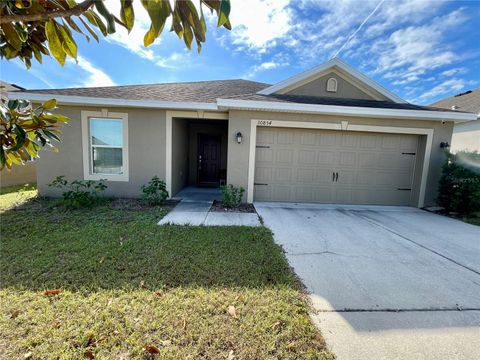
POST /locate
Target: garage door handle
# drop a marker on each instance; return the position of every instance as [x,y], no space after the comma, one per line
[336,178]
[333,176]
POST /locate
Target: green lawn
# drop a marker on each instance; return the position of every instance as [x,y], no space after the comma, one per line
[127,283]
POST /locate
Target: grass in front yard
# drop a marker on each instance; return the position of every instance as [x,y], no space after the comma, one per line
[127,283]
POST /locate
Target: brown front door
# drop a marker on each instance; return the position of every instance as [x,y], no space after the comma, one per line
[208,160]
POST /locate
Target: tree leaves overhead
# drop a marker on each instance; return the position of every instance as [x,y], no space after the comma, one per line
[31,29]
[24,130]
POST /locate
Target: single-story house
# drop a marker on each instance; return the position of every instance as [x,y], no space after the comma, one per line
[466,136]
[18,174]
[327,135]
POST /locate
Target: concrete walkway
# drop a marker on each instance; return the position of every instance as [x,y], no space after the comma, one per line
[191,212]
[387,282]
[188,212]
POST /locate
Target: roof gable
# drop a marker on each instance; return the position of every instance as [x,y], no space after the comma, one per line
[356,79]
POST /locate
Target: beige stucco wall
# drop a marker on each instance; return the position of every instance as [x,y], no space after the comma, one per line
[146,137]
[345,89]
[179,154]
[19,175]
[238,155]
[466,136]
[147,131]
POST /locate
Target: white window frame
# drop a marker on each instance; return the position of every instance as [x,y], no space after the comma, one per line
[86,145]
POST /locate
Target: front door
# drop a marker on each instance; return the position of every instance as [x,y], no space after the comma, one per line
[208,160]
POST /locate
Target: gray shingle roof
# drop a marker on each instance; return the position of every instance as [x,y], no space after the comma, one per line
[318,100]
[468,101]
[210,91]
[201,92]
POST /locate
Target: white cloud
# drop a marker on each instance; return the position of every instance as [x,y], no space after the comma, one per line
[132,41]
[454,71]
[258,24]
[95,76]
[446,87]
[267,65]
[410,53]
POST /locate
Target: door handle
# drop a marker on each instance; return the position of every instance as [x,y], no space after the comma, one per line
[333,176]
[336,178]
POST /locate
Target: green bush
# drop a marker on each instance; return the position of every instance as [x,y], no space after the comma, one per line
[459,188]
[155,192]
[232,196]
[79,193]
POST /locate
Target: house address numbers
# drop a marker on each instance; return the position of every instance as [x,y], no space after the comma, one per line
[264,123]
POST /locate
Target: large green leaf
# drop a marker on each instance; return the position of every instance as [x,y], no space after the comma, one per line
[50,104]
[12,36]
[158,11]
[223,13]
[69,45]
[100,6]
[89,29]
[54,42]
[127,14]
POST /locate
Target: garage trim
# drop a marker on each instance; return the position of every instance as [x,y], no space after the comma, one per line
[341,126]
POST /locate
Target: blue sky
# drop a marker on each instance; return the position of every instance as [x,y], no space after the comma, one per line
[422,50]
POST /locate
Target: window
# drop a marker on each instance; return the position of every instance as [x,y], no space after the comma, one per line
[105,145]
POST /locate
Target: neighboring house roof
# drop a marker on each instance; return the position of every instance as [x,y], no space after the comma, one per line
[468,101]
[202,91]
[6,87]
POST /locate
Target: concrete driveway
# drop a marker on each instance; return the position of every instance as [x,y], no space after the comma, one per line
[387,282]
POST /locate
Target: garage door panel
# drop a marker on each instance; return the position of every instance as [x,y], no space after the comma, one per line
[306,176]
[345,176]
[324,176]
[308,138]
[284,156]
[263,174]
[285,137]
[299,164]
[348,159]
[307,157]
[368,160]
[326,157]
[328,139]
[265,155]
[266,137]
[283,174]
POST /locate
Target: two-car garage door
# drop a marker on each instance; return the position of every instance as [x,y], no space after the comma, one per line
[346,167]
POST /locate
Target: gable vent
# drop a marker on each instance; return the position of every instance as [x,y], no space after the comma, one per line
[332,85]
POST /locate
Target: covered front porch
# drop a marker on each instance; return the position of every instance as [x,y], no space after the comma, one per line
[199,158]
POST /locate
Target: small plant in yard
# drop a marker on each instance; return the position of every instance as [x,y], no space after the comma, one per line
[155,192]
[79,193]
[459,188]
[232,196]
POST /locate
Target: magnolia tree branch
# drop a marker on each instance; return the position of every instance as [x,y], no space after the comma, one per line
[75,11]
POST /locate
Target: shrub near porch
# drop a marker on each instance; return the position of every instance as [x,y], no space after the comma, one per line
[127,285]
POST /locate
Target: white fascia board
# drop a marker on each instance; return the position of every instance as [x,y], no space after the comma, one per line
[325,66]
[225,104]
[84,100]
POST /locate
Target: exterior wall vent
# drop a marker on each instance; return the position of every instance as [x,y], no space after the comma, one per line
[332,85]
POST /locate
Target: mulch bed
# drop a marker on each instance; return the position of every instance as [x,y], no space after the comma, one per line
[243,208]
